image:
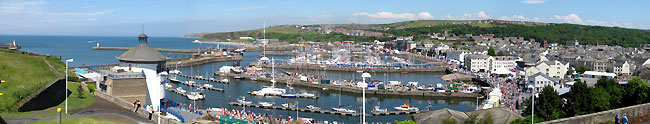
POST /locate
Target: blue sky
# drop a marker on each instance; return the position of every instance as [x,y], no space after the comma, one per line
[180,17]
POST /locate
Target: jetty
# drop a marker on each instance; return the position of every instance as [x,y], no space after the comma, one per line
[297,96]
[321,111]
[185,62]
[354,69]
[356,90]
[202,87]
[325,111]
[201,78]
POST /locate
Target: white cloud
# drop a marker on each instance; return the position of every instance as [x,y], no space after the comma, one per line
[251,8]
[108,11]
[515,18]
[571,18]
[482,14]
[425,15]
[386,15]
[534,1]
[448,17]
[468,16]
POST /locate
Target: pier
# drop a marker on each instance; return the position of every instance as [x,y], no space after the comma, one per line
[159,49]
[321,111]
[201,60]
[356,90]
[204,79]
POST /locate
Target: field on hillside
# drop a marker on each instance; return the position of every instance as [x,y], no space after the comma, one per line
[24,73]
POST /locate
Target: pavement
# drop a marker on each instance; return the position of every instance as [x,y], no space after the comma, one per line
[101,106]
[188,116]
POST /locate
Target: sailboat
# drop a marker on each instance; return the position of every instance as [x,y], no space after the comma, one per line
[270,90]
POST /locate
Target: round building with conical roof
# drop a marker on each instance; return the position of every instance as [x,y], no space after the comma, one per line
[142,55]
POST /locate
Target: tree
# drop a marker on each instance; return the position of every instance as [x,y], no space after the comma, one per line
[549,104]
[614,90]
[471,119]
[599,100]
[570,71]
[501,53]
[526,120]
[491,52]
[449,121]
[582,68]
[636,91]
[80,92]
[578,99]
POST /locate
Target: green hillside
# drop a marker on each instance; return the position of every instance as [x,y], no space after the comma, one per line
[24,73]
[554,33]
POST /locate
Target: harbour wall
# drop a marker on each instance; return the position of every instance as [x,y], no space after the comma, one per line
[605,116]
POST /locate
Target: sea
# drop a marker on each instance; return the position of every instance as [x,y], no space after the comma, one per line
[80,49]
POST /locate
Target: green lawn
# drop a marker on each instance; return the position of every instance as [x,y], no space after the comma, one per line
[74,102]
[24,73]
[81,120]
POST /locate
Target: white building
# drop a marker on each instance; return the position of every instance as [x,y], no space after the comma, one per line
[457,55]
[540,80]
[478,62]
[621,69]
[555,69]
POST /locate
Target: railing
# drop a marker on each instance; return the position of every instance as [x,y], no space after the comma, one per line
[96,69]
[172,112]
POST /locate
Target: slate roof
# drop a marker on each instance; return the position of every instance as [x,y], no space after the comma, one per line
[142,52]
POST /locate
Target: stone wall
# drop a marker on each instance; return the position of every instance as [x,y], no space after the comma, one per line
[129,105]
[129,89]
[605,116]
[46,97]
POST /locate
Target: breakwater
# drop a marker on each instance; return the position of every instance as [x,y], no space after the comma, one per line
[159,49]
[184,62]
[355,90]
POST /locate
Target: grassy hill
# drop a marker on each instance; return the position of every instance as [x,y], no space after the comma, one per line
[24,73]
[553,33]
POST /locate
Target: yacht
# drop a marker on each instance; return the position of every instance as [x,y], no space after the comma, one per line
[344,110]
[270,90]
[266,104]
[406,107]
[173,79]
[195,96]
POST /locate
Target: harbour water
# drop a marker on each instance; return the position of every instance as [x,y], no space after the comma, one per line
[79,48]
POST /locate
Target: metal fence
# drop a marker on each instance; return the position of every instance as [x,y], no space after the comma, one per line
[97,69]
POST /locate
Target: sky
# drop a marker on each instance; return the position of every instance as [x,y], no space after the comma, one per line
[176,18]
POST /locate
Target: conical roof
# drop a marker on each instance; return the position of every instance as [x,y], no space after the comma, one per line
[142,53]
[142,35]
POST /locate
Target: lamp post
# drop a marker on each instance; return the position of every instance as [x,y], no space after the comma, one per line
[363,91]
[296,109]
[532,97]
[66,84]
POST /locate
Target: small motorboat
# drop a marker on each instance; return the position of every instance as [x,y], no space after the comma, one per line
[243,100]
[253,79]
[225,80]
[175,72]
[181,90]
[344,110]
[207,85]
[168,85]
[305,95]
[336,83]
[239,77]
[288,105]
[377,109]
[196,96]
[173,79]
[289,95]
[406,107]
[313,107]
[199,76]
[266,104]
[190,82]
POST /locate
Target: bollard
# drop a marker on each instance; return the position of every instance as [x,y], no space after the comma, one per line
[59,111]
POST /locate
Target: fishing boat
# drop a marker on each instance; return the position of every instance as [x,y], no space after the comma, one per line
[406,107]
[243,100]
[313,107]
[266,104]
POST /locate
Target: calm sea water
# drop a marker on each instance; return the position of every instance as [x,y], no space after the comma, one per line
[80,48]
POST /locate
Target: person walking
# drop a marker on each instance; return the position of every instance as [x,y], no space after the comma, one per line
[616,119]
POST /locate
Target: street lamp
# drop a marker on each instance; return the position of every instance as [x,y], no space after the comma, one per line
[363,91]
[532,97]
[66,83]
